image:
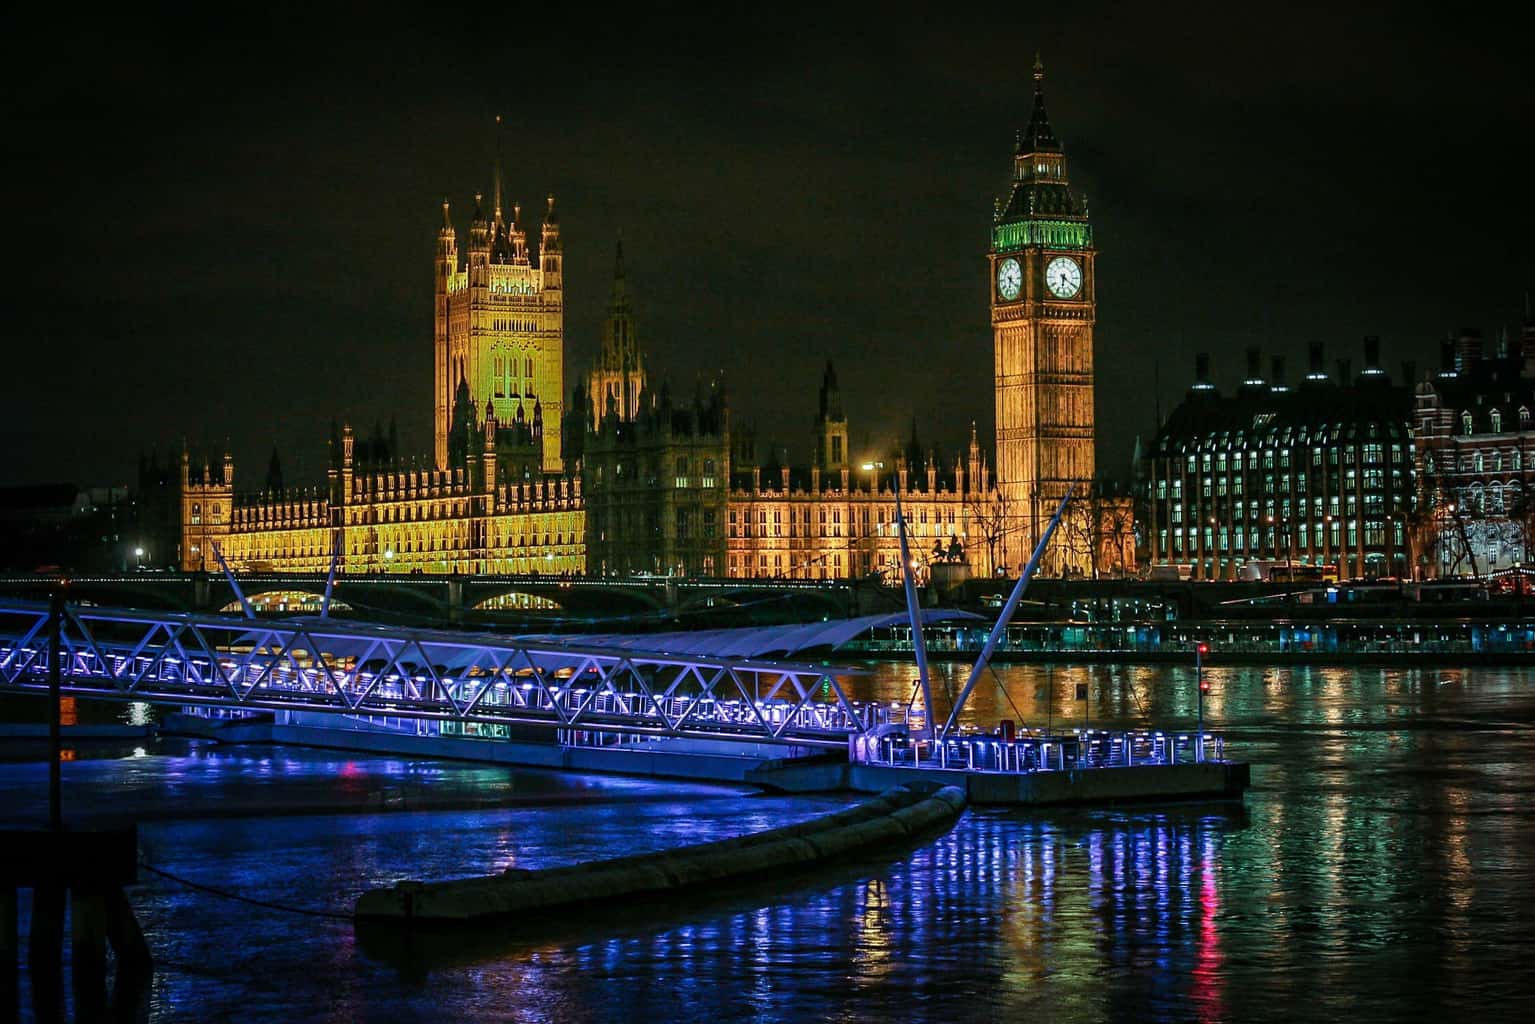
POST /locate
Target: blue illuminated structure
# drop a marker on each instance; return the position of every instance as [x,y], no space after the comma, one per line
[316,664]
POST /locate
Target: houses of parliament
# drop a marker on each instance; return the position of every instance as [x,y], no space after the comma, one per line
[620,475]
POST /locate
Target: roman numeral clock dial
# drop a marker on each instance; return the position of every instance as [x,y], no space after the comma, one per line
[1009,279]
[1063,276]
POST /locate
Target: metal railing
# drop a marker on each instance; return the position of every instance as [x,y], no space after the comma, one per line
[1075,751]
[360,669]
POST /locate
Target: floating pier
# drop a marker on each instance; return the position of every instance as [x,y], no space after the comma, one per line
[893,818]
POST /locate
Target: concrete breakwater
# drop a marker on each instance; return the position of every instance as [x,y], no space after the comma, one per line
[891,818]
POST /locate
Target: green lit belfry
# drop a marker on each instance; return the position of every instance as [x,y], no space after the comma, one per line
[1043,307]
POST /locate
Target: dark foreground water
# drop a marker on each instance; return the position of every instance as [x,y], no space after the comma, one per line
[1383,868]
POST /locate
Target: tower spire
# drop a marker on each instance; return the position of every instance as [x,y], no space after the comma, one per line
[496,171]
[1039,137]
[620,286]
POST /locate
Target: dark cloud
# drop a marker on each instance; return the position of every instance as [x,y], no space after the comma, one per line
[227,231]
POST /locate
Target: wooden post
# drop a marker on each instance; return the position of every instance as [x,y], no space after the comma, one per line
[45,953]
[10,950]
[55,671]
[88,952]
[135,965]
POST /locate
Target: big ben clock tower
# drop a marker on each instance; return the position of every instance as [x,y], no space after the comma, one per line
[1042,312]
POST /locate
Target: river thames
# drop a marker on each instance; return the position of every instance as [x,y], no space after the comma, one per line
[1380,869]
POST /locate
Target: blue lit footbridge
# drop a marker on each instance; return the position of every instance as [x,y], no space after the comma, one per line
[379,672]
[715,704]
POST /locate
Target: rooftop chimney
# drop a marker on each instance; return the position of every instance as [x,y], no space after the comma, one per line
[1254,379]
[1202,372]
[1344,366]
[1447,357]
[1372,357]
[1316,373]
[1276,375]
[1468,349]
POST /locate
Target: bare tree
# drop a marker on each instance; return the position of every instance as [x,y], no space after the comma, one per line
[991,516]
[1522,512]
[1116,535]
[1079,534]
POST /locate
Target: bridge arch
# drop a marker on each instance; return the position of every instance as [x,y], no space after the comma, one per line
[290,600]
[517,601]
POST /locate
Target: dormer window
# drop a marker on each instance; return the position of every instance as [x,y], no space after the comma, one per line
[1524,417]
[1465,423]
[1497,421]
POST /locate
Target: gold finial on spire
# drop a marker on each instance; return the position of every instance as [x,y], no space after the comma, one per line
[1039,68]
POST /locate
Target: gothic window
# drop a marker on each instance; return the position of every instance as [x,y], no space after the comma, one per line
[1514,460]
[1497,421]
[1465,423]
[1476,462]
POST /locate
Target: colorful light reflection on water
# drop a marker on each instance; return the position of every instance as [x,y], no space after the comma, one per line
[1379,870]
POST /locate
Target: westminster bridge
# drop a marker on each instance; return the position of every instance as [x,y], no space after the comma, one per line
[477,599]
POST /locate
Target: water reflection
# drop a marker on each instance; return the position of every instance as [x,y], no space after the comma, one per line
[1380,871]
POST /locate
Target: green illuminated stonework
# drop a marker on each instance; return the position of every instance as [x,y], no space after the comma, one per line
[1053,233]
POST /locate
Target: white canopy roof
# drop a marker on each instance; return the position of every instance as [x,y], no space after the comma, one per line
[750,641]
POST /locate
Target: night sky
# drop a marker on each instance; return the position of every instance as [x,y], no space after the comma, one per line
[226,231]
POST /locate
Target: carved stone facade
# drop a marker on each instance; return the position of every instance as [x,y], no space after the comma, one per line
[1043,309]
[469,519]
[499,327]
[1475,426]
[623,479]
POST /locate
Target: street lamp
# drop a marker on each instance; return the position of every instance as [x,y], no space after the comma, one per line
[1200,650]
[138,557]
[1327,540]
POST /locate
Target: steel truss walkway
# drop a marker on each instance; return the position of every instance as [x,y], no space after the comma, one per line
[321,664]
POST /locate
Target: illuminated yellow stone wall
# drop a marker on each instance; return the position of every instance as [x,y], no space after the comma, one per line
[408,521]
[846,531]
[499,323]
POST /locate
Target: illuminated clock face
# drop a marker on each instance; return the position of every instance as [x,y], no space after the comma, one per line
[1063,276]
[1009,279]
